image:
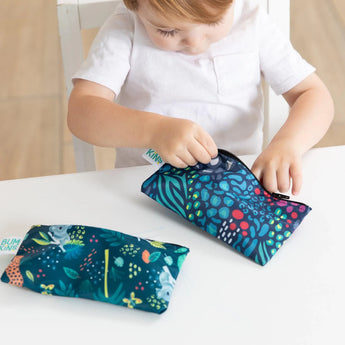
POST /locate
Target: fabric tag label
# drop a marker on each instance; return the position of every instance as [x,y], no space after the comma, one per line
[10,245]
[153,157]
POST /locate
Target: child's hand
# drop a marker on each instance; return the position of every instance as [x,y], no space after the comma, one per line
[182,143]
[277,165]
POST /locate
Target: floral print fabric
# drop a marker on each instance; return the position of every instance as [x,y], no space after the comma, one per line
[97,264]
[225,199]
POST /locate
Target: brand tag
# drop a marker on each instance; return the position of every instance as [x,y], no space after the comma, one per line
[153,157]
[10,245]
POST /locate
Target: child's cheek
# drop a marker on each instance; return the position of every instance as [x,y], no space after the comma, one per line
[165,43]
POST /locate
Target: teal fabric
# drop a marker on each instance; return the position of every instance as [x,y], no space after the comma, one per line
[226,200]
[98,264]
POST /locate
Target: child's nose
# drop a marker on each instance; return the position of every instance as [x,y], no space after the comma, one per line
[194,40]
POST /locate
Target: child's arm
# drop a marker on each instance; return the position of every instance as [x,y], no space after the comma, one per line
[310,115]
[95,118]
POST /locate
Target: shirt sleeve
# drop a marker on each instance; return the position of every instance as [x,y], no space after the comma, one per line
[108,60]
[281,65]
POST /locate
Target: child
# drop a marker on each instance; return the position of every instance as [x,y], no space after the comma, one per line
[186,75]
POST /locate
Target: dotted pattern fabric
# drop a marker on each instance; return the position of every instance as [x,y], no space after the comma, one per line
[225,199]
[98,264]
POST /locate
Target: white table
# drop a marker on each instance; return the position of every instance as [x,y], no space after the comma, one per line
[298,298]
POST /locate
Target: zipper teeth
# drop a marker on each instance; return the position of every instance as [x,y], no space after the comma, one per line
[231,155]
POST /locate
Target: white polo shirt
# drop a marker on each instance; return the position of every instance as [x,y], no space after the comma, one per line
[219,89]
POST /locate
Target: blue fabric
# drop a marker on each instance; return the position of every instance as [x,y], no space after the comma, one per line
[225,199]
[98,264]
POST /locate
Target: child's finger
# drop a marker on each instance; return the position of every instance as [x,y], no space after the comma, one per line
[297,178]
[257,169]
[206,141]
[177,162]
[283,178]
[187,158]
[199,152]
[269,179]
[257,172]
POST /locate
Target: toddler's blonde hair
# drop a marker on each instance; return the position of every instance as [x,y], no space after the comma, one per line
[195,11]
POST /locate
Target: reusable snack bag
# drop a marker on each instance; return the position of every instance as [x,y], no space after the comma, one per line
[225,199]
[98,264]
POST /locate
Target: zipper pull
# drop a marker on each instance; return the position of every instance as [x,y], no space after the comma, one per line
[280,196]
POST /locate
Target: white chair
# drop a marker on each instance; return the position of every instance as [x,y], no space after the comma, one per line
[76,15]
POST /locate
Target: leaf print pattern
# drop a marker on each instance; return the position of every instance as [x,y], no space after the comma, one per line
[99,264]
[225,199]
